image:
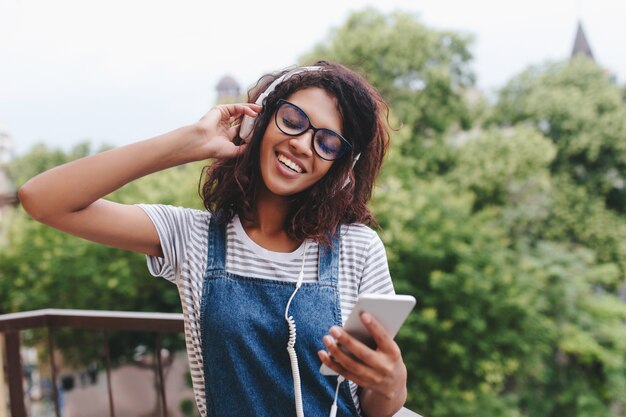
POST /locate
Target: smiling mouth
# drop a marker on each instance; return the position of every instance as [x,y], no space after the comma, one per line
[289,164]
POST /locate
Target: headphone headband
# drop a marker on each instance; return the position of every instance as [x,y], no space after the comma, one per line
[282,78]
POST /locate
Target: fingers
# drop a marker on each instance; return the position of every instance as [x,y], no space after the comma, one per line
[350,365]
[345,365]
[362,364]
[232,131]
[225,114]
[360,351]
[239,149]
[381,371]
[383,341]
[237,109]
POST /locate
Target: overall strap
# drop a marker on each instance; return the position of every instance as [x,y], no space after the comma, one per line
[216,253]
[329,260]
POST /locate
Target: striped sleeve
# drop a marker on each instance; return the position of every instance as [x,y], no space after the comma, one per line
[173,227]
[375,277]
[183,234]
[363,269]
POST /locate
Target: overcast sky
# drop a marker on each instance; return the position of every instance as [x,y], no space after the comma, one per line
[117,71]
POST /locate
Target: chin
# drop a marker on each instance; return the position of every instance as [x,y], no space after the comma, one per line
[285,191]
[281,189]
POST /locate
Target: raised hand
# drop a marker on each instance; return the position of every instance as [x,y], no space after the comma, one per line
[218,132]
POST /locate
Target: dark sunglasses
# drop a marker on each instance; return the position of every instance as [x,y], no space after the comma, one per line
[293,121]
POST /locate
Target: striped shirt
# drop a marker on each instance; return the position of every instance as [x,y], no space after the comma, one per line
[183,234]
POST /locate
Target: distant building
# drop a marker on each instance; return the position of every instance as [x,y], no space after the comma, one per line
[7,147]
[582,47]
[581,44]
[228,90]
[8,194]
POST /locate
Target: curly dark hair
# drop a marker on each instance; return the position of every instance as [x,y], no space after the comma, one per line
[231,185]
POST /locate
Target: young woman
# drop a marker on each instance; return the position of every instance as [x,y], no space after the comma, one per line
[282,244]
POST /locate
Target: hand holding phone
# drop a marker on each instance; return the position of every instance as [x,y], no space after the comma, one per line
[390,310]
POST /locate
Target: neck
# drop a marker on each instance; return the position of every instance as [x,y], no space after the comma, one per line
[267,228]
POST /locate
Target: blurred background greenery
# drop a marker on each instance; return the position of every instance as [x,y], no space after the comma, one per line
[504,216]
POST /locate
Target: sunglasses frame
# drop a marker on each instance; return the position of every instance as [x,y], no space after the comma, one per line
[347,145]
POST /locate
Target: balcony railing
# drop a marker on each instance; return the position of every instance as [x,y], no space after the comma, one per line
[52,319]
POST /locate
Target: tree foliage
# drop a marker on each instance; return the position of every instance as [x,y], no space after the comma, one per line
[578,106]
[509,234]
[422,72]
[44,268]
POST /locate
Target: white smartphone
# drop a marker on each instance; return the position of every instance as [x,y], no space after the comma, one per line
[391,310]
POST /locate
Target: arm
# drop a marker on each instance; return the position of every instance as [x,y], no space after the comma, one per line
[69,197]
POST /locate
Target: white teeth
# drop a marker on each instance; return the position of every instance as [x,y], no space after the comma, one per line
[289,163]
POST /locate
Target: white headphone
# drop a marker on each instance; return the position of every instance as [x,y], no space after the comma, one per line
[247,123]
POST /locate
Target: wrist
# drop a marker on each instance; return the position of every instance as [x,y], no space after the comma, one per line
[382,404]
[186,143]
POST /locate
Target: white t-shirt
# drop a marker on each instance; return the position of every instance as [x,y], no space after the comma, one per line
[184,235]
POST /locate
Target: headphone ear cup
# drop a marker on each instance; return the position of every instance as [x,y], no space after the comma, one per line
[354,161]
[246,128]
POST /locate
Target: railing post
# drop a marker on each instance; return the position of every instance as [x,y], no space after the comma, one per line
[159,362]
[14,371]
[4,404]
[53,371]
[107,363]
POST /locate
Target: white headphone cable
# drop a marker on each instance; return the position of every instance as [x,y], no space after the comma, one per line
[293,357]
[333,408]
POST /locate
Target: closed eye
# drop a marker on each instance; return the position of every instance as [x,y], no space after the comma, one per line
[328,142]
[292,124]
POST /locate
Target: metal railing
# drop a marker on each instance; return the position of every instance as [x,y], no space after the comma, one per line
[12,324]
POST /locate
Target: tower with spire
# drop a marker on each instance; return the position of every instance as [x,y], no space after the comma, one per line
[582,48]
[8,196]
[228,90]
[581,44]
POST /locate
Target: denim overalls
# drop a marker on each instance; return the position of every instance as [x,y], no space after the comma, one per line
[244,338]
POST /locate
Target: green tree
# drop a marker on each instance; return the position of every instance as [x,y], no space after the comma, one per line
[40,158]
[515,302]
[421,72]
[412,66]
[45,268]
[577,105]
[502,166]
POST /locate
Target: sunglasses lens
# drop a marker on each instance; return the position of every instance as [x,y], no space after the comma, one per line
[291,120]
[329,145]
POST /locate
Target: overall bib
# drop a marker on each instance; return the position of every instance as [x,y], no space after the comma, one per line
[247,370]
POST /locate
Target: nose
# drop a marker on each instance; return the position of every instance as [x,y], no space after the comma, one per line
[301,144]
